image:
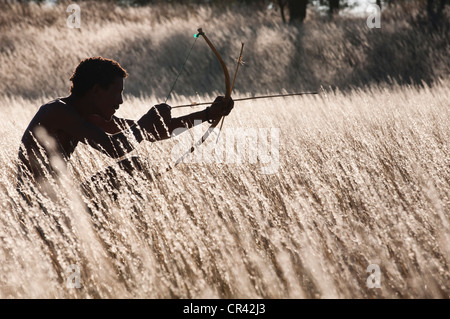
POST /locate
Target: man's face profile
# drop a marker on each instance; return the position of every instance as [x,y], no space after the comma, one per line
[107,101]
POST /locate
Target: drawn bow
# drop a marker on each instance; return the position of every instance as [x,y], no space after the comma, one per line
[228,89]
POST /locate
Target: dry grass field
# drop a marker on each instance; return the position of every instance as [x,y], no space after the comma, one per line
[360,173]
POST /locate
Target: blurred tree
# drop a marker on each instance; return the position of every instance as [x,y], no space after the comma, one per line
[282,4]
[334,7]
[297,10]
[435,10]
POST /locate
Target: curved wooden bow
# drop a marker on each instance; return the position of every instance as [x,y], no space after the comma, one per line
[228,89]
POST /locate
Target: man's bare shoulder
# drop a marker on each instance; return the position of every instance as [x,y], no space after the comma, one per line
[56,110]
[55,105]
[54,115]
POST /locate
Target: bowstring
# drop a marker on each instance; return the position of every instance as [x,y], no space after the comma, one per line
[182,68]
[196,36]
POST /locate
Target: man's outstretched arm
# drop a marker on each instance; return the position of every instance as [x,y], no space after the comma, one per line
[156,124]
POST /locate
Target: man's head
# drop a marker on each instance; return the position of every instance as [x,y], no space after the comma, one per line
[101,80]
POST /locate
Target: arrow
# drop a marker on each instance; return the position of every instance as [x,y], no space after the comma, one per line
[247,98]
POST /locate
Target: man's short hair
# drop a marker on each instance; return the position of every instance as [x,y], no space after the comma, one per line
[96,70]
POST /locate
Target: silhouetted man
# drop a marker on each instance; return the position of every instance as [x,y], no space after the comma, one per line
[87,116]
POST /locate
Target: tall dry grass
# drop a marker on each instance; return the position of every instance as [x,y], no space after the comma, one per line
[363,176]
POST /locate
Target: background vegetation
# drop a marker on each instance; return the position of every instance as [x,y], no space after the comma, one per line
[152,42]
